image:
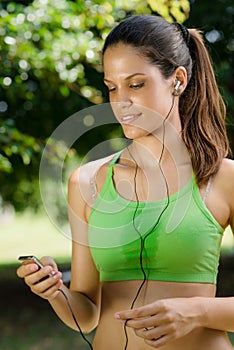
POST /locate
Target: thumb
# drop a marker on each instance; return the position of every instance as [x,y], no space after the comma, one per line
[47,260]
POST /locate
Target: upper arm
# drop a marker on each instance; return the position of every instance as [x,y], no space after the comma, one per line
[85,277]
[229,186]
[232,207]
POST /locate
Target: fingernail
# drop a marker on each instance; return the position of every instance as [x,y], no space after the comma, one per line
[55,275]
[59,283]
[33,267]
[46,269]
[117,316]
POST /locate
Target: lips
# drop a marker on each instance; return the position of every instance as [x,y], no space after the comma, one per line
[129,118]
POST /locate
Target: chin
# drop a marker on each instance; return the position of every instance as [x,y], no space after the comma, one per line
[133,132]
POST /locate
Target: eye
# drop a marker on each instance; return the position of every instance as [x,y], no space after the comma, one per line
[111,89]
[137,86]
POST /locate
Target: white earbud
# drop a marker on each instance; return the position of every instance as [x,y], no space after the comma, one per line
[176,91]
[177,84]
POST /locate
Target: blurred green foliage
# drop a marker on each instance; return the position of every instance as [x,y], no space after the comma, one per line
[51,67]
[50,63]
[216,20]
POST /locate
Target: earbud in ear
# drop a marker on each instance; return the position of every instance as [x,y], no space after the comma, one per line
[176,91]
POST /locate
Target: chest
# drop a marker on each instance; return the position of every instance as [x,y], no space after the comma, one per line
[176,241]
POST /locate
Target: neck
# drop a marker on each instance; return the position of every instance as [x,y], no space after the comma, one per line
[167,146]
[148,151]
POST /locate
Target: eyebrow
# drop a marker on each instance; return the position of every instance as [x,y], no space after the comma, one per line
[127,78]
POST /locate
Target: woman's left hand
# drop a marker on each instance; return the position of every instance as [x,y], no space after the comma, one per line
[164,320]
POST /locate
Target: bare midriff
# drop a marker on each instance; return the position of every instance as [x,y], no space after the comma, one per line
[118,296]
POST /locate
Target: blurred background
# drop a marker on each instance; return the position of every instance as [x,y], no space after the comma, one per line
[50,68]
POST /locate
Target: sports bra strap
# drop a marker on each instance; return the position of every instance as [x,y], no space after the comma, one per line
[207,189]
[110,170]
[109,173]
[115,158]
[93,189]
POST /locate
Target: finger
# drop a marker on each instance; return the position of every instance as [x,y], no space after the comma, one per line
[146,310]
[25,270]
[52,291]
[157,343]
[144,322]
[149,337]
[141,333]
[150,334]
[47,260]
[44,285]
[34,278]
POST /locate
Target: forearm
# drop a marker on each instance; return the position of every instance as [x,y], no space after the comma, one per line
[217,313]
[85,311]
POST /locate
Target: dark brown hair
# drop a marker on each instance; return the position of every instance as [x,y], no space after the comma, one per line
[201,107]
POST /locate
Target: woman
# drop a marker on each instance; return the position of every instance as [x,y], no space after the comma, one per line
[147,222]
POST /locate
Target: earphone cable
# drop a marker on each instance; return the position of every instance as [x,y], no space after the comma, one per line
[74,318]
[143,239]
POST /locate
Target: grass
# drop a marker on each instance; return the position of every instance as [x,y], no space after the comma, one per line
[32,234]
[27,322]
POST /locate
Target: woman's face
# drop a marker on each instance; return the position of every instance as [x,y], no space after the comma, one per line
[140,96]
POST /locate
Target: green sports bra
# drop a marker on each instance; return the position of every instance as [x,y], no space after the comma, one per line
[183,247]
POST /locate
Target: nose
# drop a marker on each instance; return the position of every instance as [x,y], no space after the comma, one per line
[122,99]
[120,104]
[121,107]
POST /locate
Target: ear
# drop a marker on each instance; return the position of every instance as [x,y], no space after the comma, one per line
[180,74]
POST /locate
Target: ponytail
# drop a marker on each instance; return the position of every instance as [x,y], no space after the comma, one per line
[202,113]
[202,110]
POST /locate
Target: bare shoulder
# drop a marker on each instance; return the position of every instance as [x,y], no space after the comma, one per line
[83,177]
[226,171]
[225,179]
[227,174]
[86,172]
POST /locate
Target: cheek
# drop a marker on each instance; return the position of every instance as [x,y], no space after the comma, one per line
[149,100]
[116,109]
[160,105]
[150,121]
